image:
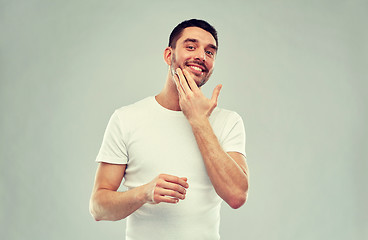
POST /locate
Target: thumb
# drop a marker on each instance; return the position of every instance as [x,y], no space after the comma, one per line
[216,93]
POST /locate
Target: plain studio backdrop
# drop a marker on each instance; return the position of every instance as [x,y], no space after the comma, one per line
[294,70]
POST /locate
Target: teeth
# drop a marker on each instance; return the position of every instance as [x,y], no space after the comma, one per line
[196,68]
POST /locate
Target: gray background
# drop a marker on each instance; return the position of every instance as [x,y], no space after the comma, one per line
[294,70]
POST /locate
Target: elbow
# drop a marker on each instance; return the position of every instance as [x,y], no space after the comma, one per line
[238,198]
[99,212]
[237,201]
[95,216]
[95,210]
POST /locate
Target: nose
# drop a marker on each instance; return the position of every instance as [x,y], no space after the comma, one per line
[200,55]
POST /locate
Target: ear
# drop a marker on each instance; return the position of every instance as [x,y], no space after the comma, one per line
[167,55]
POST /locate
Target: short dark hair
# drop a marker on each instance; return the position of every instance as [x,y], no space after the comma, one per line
[176,32]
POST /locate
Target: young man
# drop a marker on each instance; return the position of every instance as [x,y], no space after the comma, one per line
[179,155]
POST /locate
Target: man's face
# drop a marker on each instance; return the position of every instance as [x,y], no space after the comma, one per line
[195,51]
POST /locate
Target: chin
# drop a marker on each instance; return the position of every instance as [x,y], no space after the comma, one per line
[199,80]
[202,82]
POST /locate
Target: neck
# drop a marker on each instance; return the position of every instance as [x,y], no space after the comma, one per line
[168,97]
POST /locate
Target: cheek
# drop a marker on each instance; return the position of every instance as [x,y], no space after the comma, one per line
[176,59]
[183,56]
[210,65]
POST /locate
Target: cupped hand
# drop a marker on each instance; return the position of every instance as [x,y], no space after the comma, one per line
[166,188]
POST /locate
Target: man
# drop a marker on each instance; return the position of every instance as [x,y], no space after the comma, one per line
[179,155]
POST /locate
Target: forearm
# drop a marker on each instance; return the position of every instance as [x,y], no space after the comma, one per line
[229,179]
[111,205]
[228,174]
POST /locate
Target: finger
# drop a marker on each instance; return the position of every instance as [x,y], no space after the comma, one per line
[174,179]
[179,181]
[192,84]
[216,93]
[183,80]
[172,186]
[178,85]
[170,193]
[184,178]
[166,199]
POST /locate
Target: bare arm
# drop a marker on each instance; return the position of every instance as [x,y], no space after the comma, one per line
[228,171]
[107,203]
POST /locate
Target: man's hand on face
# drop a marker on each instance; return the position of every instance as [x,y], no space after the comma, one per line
[166,188]
[195,106]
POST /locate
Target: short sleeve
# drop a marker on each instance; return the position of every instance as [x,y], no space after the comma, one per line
[113,149]
[234,140]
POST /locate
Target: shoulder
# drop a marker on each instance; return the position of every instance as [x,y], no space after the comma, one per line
[135,109]
[137,106]
[130,114]
[227,125]
[224,115]
[224,120]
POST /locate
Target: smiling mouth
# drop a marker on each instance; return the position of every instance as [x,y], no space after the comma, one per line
[197,70]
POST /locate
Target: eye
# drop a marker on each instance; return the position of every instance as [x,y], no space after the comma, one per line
[210,53]
[190,47]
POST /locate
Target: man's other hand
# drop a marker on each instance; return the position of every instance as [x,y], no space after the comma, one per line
[166,188]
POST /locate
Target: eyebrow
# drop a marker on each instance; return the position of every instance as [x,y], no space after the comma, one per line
[196,41]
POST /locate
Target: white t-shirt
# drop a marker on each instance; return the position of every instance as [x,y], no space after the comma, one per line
[152,140]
